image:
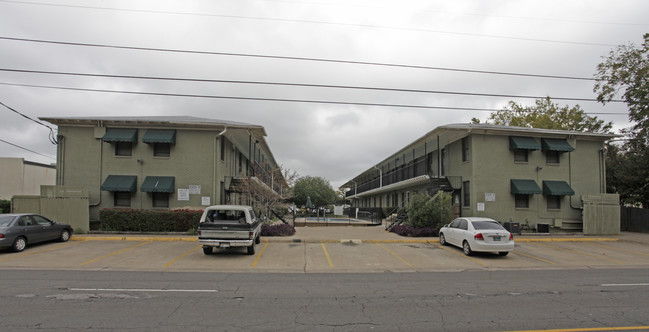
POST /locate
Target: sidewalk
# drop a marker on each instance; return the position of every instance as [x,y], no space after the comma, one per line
[367,234]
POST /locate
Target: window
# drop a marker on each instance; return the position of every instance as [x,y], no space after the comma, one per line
[466,193]
[522,201]
[554,202]
[463,224]
[122,198]
[465,149]
[161,149]
[520,156]
[552,157]
[222,148]
[123,149]
[41,221]
[443,171]
[160,200]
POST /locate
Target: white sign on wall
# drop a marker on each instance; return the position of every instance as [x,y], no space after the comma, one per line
[205,200]
[480,206]
[490,197]
[183,194]
[195,189]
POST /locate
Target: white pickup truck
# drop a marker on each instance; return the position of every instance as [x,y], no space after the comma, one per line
[225,226]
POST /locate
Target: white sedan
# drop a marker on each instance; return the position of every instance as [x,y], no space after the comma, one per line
[474,234]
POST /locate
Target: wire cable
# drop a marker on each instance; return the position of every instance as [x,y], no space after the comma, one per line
[294,58]
[26,149]
[52,135]
[264,99]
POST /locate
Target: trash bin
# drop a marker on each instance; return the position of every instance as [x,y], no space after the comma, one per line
[543,228]
[513,227]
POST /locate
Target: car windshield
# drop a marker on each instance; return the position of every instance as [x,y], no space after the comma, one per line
[226,216]
[487,225]
[5,220]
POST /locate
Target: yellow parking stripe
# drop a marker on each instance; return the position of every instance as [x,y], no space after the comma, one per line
[586,329]
[393,254]
[38,251]
[461,254]
[259,256]
[534,257]
[115,253]
[620,249]
[579,253]
[181,256]
[327,255]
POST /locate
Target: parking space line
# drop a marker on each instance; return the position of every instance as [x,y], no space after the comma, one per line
[578,252]
[393,254]
[460,254]
[620,249]
[114,253]
[181,256]
[586,329]
[259,256]
[327,255]
[534,257]
[38,251]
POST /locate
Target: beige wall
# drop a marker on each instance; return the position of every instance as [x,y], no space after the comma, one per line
[18,177]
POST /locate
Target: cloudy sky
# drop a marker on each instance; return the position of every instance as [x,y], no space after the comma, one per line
[393,47]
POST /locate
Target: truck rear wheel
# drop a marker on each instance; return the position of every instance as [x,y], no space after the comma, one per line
[251,248]
[207,250]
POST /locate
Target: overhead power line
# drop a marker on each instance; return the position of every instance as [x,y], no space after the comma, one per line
[52,135]
[295,85]
[26,149]
[373,26]
[311,101]
[293,58]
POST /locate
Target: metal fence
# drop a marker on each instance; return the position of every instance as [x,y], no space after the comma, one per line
[634,219]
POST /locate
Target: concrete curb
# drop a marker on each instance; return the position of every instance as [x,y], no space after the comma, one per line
[296,240]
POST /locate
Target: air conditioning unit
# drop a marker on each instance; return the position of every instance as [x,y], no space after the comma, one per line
[542,228]
[513,227]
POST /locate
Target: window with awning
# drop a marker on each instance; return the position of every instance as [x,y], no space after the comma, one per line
[523,143]
[555,144]
[524,187]
[120,135]
[158,184]
[167,136]
[557,188]
[120,183]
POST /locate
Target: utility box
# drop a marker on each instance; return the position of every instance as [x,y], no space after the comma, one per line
[513,227]
[542,228]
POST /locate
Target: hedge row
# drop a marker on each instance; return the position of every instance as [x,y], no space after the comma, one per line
[407,230]
[277,230]
[149,220]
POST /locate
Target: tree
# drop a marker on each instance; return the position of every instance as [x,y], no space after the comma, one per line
[317,188]
[262,196]
[626,70]
[548,115]
[429,211]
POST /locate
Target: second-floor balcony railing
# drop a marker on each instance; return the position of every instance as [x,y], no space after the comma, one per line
[402,173]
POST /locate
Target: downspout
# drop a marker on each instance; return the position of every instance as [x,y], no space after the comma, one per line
[216,144]
[439,159]
[101,163]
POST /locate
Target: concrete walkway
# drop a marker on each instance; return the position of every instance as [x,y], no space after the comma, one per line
[370,234]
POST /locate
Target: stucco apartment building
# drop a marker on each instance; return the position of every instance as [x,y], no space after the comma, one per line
[21,177]
[160,162]
[511,174]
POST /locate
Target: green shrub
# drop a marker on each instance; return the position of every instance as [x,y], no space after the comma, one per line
[149,220]
[5,206]
[429,211]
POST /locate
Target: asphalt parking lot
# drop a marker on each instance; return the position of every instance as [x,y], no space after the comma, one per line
[324,253]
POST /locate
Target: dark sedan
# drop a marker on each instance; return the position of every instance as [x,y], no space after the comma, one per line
[18,230]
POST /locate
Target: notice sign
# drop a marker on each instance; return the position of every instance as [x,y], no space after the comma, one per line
[195,189]
[205,200]
[183,194]
[480,206]
[490,197]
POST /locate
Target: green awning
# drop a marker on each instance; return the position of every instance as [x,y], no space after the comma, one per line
[160,136]
[557,188]
[554,144]
[115,135]
[127,183]
[523,143]
[524,187]
[158,184]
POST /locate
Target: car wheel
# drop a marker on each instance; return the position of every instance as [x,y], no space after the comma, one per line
[442,239]
[503,253]
[258,240]
[251,249]
[207,250]
[19,244]
[467,248]
[65,235]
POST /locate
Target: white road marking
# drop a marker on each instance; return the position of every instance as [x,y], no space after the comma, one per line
[142,290]
[622,285]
